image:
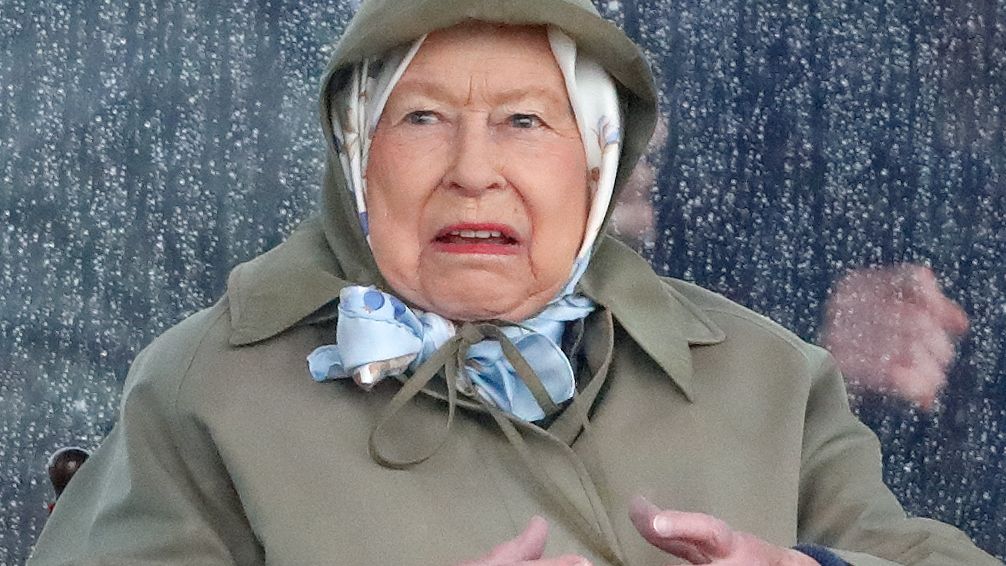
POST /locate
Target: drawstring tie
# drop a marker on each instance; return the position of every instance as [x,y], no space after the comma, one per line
[515,372]
[450,359]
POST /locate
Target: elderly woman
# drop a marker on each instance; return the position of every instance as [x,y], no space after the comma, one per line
[513,366]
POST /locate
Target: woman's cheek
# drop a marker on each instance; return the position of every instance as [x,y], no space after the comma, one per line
[396,253]
[399,180]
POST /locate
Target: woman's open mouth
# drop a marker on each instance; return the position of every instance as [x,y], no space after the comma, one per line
[497,239]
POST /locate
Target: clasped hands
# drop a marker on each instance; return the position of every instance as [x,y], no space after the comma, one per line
[694,537]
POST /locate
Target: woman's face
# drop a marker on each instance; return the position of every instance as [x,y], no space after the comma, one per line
[476,181]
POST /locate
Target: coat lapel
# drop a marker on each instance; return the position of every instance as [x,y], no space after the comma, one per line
[284,286]
[663,322]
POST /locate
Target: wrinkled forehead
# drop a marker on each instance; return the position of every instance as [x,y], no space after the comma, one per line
[478,55]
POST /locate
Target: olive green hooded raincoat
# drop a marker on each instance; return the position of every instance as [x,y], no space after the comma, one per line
[227,452]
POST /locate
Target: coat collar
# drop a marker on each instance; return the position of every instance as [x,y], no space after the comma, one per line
[284,286]
[299,281]
[657,317]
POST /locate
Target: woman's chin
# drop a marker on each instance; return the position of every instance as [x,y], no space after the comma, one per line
[463,300]
[483,305]
[477,290]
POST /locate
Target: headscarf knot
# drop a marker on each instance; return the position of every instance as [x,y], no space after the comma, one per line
[378,336]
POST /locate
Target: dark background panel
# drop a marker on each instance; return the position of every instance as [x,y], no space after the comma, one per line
[148,146]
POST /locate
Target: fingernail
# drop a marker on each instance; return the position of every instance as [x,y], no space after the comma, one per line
[662,525]
[583,563]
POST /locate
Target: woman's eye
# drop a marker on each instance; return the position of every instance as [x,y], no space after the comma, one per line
[525,121]
[421,118]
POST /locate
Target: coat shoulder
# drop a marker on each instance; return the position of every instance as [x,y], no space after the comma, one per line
[195,367]
[166,361]
[741,324]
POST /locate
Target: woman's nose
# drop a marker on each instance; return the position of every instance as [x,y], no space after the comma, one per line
[476,166]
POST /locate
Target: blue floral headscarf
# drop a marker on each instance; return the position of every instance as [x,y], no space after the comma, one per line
[378,335]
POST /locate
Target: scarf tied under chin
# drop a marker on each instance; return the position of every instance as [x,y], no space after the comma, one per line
[378,336]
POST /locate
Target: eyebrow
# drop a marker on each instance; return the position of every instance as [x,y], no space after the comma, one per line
[440,93]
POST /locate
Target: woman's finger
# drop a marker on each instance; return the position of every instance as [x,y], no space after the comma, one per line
[685,550]
[566,560]
[696,537]
[642,513]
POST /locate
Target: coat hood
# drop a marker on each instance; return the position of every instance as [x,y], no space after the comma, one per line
[299,281]
[381,25]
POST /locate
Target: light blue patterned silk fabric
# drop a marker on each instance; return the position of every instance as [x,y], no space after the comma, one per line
[378,336]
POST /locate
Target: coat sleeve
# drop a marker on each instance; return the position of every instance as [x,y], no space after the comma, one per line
[155,491]
[844,503]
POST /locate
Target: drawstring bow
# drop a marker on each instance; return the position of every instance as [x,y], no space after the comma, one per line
[450,361]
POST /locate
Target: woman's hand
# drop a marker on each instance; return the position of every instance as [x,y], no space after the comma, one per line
[892,330]
[527,549]
[703,539]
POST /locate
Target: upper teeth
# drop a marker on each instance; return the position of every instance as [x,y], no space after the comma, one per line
[477,233]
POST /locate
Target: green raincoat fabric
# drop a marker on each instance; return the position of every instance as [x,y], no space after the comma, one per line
[226,452]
